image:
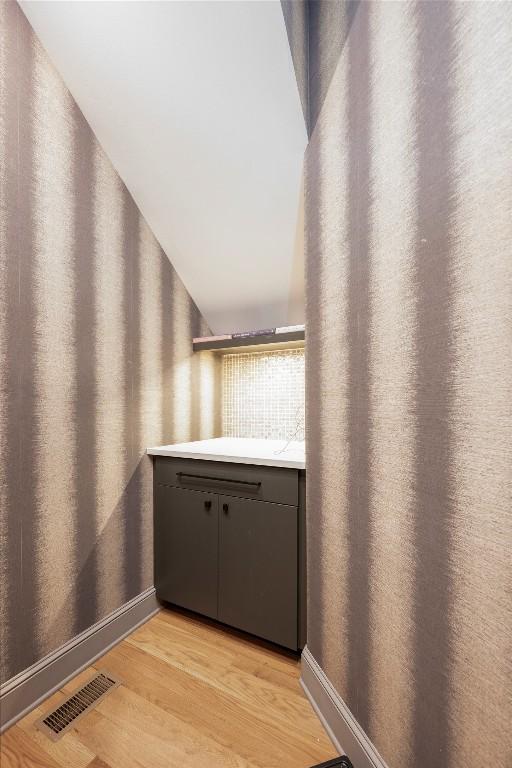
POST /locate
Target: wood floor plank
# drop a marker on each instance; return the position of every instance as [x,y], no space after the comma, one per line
[18,750]
[131,727]
[219,669]
[68,752]
[257,658]
[243,645]
[259,740]
[193,694]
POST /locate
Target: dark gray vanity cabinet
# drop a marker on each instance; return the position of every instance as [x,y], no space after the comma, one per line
[229,544]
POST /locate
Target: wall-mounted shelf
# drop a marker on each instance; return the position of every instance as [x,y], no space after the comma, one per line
[292,340]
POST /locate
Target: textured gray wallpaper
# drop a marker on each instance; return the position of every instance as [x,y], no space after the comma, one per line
[95,364]
[295,14]
[409,373]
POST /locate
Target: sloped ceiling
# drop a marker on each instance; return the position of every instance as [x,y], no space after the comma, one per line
[196,103]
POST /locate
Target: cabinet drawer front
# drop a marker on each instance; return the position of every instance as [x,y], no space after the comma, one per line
[247,481]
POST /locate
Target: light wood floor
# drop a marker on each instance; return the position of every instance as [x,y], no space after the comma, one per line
[193,696]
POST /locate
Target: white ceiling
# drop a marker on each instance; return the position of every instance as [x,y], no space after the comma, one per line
[197,106]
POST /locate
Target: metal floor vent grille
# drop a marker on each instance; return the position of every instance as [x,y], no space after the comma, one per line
[57,722]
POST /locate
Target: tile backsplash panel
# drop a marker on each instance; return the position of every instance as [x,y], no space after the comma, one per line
[263,395]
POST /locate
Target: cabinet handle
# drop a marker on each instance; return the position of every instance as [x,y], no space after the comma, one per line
[225,508]
[189,477]
[208,504]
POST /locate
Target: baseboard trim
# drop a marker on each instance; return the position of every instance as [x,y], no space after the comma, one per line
[341,726]
[27,690]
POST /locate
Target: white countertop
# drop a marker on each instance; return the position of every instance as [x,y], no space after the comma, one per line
[239,450]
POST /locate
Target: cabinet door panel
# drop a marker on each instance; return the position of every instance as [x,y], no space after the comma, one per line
[186,548]
[258,568]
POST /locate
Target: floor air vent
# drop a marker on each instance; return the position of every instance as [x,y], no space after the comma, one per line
[338,762]
[59,720]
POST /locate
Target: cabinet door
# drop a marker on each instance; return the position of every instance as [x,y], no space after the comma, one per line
[258,568]
[186,548]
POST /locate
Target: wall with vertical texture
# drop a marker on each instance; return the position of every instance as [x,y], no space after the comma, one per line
[95,364]
[409,373]
[295,16]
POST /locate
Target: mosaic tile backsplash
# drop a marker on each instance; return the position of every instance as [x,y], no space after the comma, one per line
[263,395]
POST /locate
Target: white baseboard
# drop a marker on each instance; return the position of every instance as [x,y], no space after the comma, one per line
[341,726]
[29,688]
